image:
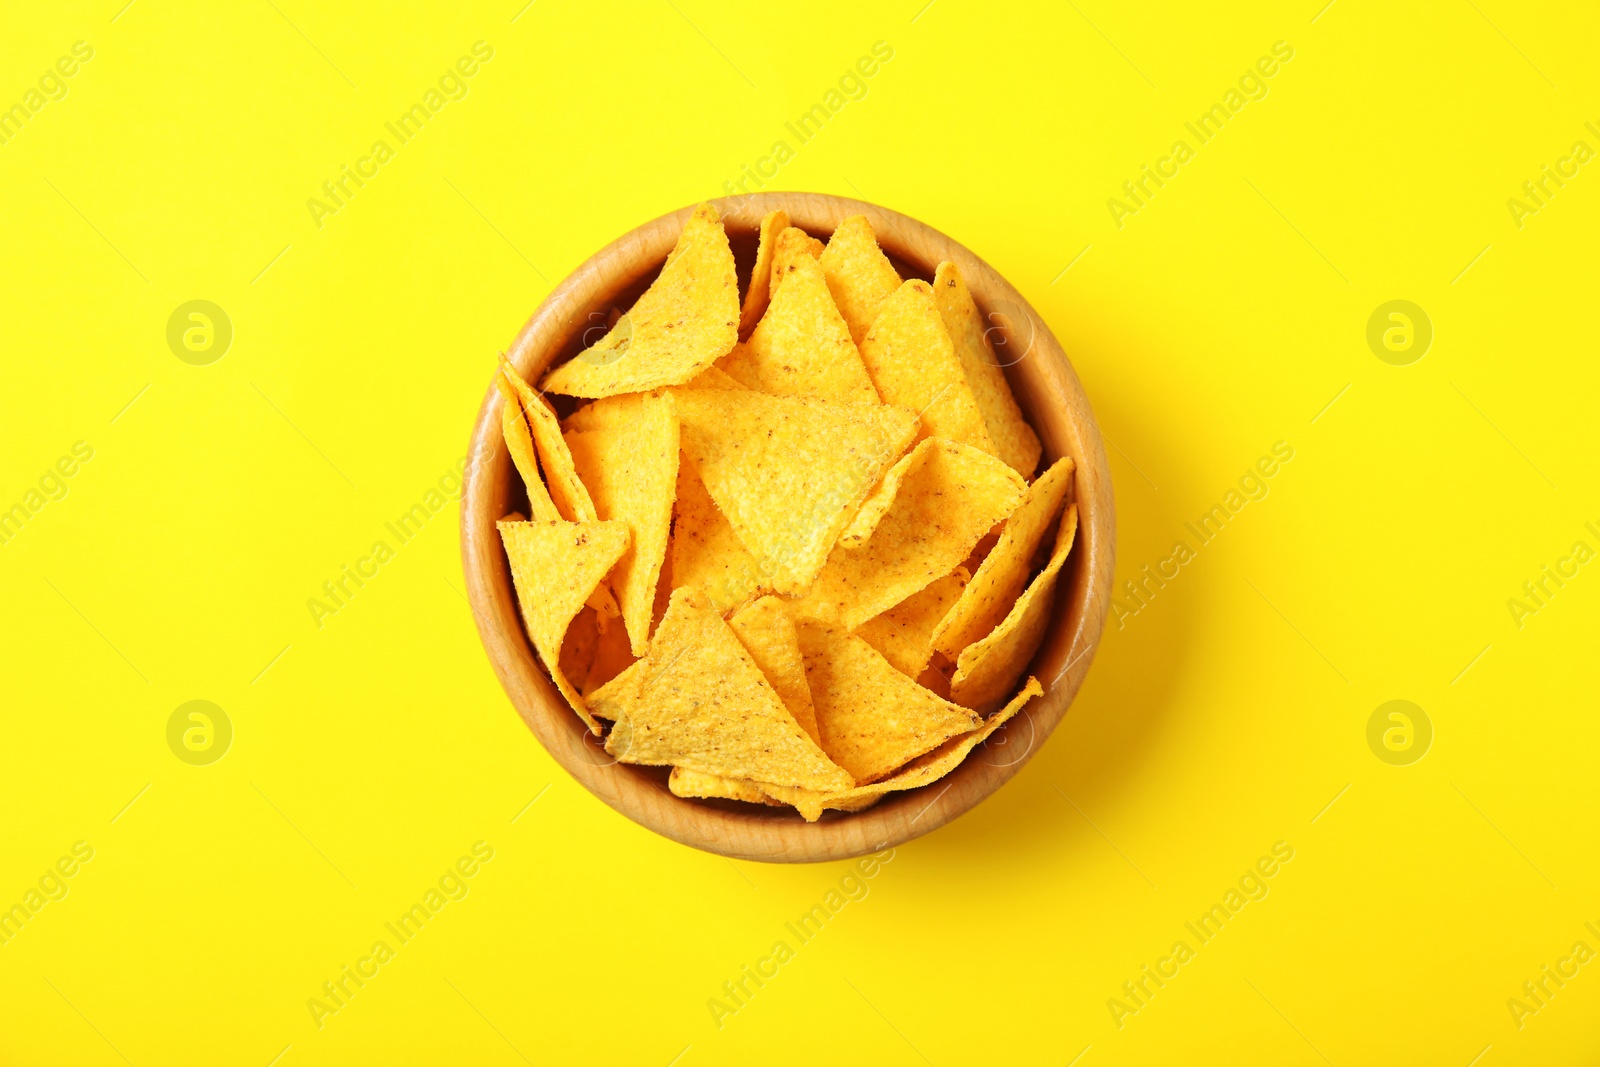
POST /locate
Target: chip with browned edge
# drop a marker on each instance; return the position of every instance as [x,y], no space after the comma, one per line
[871,717]
[629,461]
[685,321]
[702,703]
[555,566]
[949,496]
[1004,571]
[788,472]
[989,668]
[1014,440]
[913,363]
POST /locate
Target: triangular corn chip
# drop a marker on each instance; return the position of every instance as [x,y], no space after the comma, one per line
[924,770]
[686,783]
[706,553]
[871,717]
[788,472]
[702,703]
[1004,571]
[630,464]
[768,634]
[904,633]
[989,668]
[802,346]
[756,297]
[792,244]
[912,363]
[555,567]
[949,496]
[613,700]
[1014,440]
[519,442]
[860,276]
[566,488]
[685,321]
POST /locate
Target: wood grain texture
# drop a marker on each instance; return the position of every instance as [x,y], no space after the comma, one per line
[1046,388]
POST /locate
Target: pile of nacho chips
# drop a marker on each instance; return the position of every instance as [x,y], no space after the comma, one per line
[791,546]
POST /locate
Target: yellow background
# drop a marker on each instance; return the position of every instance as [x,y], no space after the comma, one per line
[1225,716]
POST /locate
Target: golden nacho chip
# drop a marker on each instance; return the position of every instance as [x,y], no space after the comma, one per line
[988,668]
[1004,572]
[519,442]
[788,472]
[860,276]
[924,770]
[630,464]
[1014,440]
[612,700]
[555,566]
[768,634]
[706,553]
[686,783]
[950,495]
[685,321]
[716,377]
[578,648]
[904,633]
[912,363]
[567,490]
[792,244]
[756,297]
[871,717]
[702,703]
[612,655]
[802,346]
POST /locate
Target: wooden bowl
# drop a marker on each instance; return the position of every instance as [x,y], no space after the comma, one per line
[1050,396]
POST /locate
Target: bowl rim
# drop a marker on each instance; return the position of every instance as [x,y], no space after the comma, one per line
[1082,598]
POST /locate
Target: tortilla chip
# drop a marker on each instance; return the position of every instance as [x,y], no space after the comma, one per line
[519,442]
[788,472]
[686,783]
[768,634]
[924,770]
[567,490]
[802,347]
[685,321]
[989,668]
[936,677]
[913,364]
[716,377]
[555,566]
[706,553]
[1014,440]
[950,495]
[1004,572]
[871,717]
[860,276]
[793,243]
[612,700]
[904,633]
[612,656]
[702,703]
[578,648]
[630,462]
[756,297]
